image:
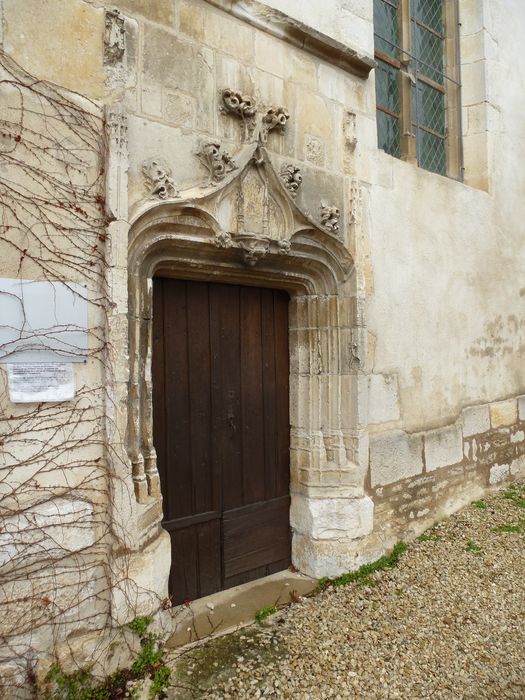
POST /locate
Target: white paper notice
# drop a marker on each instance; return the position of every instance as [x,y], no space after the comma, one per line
[41,381]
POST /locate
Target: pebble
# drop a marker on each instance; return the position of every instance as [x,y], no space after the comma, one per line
[445,624]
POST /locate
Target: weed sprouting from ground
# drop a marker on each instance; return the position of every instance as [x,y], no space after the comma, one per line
[481,504]
[363,574]
[425,537]
[474,548]
[516,494]
[263,613]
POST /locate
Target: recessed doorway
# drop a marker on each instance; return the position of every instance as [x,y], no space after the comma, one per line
[220,370]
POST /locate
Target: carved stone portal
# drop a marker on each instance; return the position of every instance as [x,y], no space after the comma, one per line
[246,229]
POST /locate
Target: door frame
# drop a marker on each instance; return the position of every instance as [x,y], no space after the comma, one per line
[328,445]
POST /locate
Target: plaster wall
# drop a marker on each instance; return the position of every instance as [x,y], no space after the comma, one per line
[348,21]
[430,323]
[445,304]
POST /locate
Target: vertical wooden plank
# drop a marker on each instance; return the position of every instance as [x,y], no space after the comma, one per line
[179,475]
[226,393]
[271,462]
[199,396]
[209,557]
[184,583]
[282,408]
[251,393]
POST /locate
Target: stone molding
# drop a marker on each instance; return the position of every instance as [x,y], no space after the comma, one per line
[299,35]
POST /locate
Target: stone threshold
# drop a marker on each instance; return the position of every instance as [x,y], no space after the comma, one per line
[226,611]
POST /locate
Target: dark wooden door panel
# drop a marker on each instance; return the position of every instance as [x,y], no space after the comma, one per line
[221,431]
[256,535]
[195,561]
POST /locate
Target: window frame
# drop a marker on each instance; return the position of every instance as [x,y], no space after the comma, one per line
[408,76]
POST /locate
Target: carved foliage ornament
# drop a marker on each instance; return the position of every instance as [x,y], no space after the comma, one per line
[292,178]
[217,161]
[114,36]
[223,240]
[330,217]
[275,118]
[157,175]
[244,107]
[241,106]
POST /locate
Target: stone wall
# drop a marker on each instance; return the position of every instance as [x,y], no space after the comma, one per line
[406,329]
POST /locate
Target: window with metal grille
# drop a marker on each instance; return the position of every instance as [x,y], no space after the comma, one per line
[417,82]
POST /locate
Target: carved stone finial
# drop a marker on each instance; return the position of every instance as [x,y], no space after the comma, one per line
[157,175]
[254,247]
[292,178]
[217,162]
[223,240]
[284,246]
[114,36]
[275,118]
[330,217]
[241,106]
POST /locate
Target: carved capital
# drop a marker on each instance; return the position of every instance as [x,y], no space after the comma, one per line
[114,36]
[117,130]
[217,162]
[157,176]
[254,247]
[292,178]
[275,118]
[330,217]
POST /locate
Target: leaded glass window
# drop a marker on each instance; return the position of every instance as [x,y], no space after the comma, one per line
[417,82]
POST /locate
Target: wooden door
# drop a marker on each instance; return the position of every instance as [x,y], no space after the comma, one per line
[221,431]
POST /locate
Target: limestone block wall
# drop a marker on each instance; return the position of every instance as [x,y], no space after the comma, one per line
[445,300]
[407,332]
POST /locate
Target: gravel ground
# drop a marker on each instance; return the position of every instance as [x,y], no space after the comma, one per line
[447,623]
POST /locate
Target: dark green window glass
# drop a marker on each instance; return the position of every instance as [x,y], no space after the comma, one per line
[428,52]
[387,87]
[388,134]
[431,153]
[428,108]
[430,13]
[426,68]
[386,27]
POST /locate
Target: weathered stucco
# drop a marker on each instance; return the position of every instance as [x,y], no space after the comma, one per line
[406,317]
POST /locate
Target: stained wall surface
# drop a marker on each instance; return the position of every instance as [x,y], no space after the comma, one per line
[419,409]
